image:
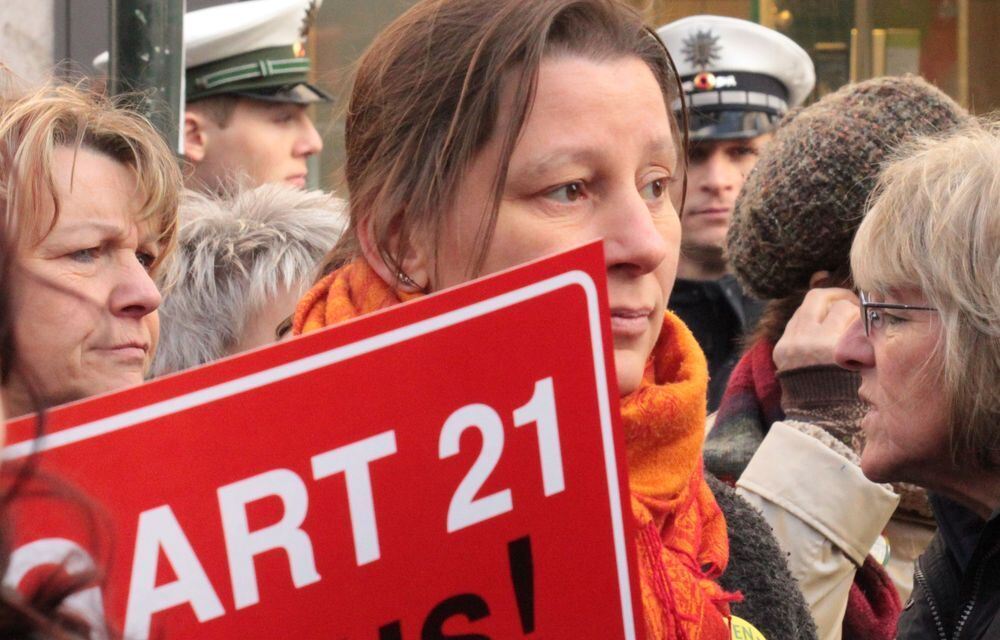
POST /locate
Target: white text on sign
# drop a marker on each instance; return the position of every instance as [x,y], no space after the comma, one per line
[158,529]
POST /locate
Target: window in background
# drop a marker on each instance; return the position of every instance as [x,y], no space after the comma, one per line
[343,30]
[949,42]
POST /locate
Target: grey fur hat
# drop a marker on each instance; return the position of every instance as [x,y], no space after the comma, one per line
[804,200]
[235,253]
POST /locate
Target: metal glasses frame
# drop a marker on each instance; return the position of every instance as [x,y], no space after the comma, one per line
[868,307]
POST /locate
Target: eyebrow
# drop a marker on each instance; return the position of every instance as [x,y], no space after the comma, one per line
[106,228]
[560,157]
[665,146]
[661,146]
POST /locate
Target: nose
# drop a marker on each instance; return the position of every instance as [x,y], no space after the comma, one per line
[134,294]
[854,349]
[633,243]
[309,141]
[720,174]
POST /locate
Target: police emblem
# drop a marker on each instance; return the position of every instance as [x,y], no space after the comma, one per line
[701,49]
[309,19]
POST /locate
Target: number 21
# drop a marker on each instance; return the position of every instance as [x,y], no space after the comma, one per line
[465,508]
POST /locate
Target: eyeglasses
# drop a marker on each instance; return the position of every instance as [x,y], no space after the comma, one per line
[873,319]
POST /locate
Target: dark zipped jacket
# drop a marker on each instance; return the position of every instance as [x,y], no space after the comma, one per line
[719,315]
[956,586]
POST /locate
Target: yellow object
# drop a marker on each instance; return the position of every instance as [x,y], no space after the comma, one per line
[740,629]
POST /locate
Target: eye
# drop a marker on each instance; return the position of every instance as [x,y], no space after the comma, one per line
[146,259]
[742,151]
[875,318]
[567,193]
[892,319]
[85,255]
[698,154]
[655,189]
[284,116]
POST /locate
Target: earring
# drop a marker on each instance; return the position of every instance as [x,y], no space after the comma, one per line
[407,281]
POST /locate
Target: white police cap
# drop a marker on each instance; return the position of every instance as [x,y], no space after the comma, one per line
[739,78]
[254,49]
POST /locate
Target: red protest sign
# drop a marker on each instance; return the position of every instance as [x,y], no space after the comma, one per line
[449,466]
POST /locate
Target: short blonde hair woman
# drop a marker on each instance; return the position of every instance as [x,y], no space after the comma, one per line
[927,261]
[89,193]
[246,256]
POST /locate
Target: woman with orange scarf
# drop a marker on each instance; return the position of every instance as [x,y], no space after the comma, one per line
[486,133]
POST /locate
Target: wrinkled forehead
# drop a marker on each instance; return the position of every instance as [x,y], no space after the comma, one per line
[86,183]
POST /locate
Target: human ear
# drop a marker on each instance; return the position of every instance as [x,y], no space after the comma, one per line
[195,136]
[820,279]
[414,272]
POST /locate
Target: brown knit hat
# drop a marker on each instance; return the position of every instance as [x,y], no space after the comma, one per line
[804,200]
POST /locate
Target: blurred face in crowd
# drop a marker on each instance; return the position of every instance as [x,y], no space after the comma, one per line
[594,160]
[84,302]
[716,172]
[906,425]
[261,328]
[259,141]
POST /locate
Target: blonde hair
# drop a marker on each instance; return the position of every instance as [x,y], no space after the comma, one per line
[35,123]
[934,225]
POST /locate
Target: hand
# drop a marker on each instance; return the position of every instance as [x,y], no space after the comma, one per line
[813,332]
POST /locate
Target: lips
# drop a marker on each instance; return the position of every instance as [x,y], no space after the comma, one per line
[297,181]
[870,410]
[129,350]
[630,321]
[711,211]
[864,399]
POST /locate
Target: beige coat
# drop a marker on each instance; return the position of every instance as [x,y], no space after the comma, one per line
[825,514]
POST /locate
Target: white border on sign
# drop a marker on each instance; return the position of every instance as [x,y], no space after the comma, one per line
[368,345]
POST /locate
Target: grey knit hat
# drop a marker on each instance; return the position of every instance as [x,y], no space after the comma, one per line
[804,200]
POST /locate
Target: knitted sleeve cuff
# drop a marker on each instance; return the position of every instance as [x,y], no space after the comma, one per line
[836,445]
[817,387]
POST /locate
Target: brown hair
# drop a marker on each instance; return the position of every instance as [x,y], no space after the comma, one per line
[58,115]
[218,109]
[778,312]
[426,98]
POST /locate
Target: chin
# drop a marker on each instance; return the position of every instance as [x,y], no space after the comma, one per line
[629,372]
[876,469]
[117,383]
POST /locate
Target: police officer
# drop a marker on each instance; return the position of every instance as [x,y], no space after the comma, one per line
[247,91]
[739,78]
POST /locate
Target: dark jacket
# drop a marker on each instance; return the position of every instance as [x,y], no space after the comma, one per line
[719,314]
[956,586]
[772,601]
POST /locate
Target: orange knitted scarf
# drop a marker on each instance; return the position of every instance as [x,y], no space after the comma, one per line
[682,543]
[682,540]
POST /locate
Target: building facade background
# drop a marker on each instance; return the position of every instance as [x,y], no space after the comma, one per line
[952,43]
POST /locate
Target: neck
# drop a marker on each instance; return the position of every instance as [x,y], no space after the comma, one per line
[16,401]
[977,490]
[701,263]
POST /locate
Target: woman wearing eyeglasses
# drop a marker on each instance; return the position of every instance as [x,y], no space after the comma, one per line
[788,428]
[928,351]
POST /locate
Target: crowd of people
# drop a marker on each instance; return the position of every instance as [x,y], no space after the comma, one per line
[836,455]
